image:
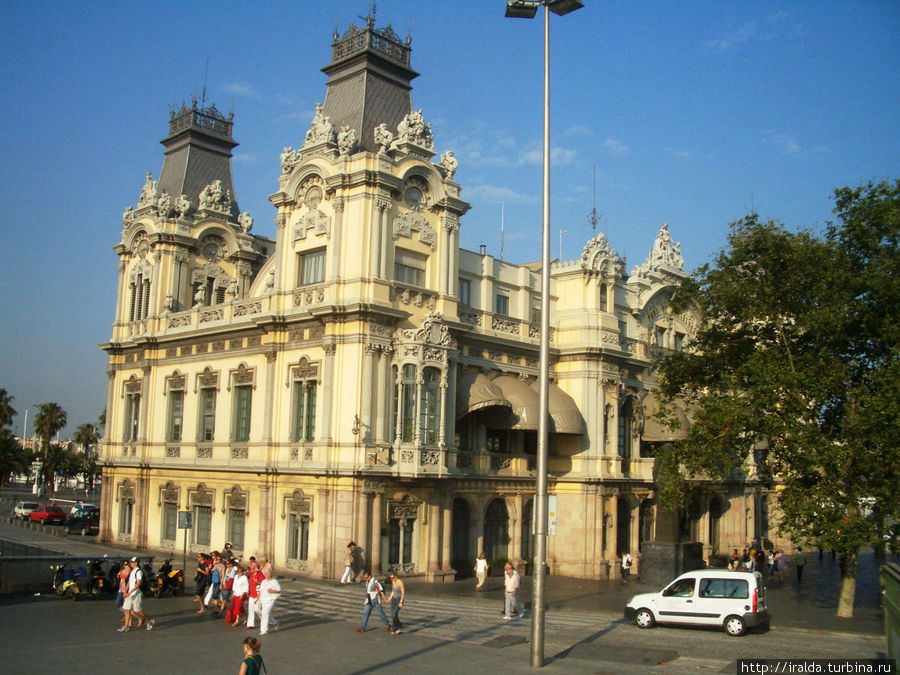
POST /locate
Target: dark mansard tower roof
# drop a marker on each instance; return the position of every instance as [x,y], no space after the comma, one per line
[369,81]
[198,152]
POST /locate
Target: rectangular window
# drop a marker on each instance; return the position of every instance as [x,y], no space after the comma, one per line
[495,440]
[465,292]
[304,427]
[660,336]
[242,404]
[207,424]
[311,267]
[176,416]
[202,525]
[408,404]
[400,541]
[501,304]
[132,417]
[430,407]
[678,344]
[409,267]
[237,519]
[724,588]
[536,314]
[126,511]
[169,521]
[298,537]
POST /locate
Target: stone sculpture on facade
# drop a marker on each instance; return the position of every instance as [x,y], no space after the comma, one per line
[665,255]
[213,197]
[148,192]
[383,138]
[289,157]
[246,222]
[449,163]
[598,257]
[164,205]
[413,129]
[127,216]
[346,140]
[183,206]
[321,130]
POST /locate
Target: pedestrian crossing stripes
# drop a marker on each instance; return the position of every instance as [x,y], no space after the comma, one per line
[477,620]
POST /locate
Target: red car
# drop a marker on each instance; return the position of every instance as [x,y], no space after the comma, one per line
[48,514]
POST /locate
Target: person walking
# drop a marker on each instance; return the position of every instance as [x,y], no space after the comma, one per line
[202,579]
[252,663]
[269,592]
[134,600]
[511,584]
[256,577]
[122,577]
[627,562]
[398,595]
[799,561]
[239,591]
[481,570]
[374,598]
[348,563]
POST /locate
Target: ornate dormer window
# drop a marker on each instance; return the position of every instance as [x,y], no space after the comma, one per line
[304,382]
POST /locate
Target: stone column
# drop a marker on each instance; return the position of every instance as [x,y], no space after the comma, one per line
[446,530]
[377,521]
[382,397]
[362,529]
[328,390]
[515,533]
[366,431]
[271,358]
[612,536]
[336,240]
[281,238]
[434,529]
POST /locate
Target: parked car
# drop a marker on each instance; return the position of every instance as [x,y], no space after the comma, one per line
[734,600]
[85,522]
[84,509]
[23,510]
[48,514]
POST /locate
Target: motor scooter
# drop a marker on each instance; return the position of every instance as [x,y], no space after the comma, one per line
[96,579]
[167,578]
[65,580]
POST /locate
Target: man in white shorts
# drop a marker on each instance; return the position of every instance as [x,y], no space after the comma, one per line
[134,599]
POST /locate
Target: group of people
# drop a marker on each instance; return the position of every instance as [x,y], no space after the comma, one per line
[375,597]
[775,562]
[234,589]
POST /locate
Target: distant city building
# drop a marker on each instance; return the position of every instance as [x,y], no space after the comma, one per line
[361,377]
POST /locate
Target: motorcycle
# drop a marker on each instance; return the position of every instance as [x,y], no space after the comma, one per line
[167,578]
[147,574]
[65,580]
[97,579]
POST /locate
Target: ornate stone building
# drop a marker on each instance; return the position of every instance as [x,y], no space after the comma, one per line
[361,377]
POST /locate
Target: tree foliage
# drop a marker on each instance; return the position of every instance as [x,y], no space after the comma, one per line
[796,370]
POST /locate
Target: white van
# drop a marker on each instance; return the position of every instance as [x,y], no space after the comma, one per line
[732,599]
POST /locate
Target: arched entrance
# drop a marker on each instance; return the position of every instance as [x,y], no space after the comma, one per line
[645,526]
[496,531]
[460,554]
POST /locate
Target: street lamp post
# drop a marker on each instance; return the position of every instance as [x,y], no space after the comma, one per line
[527,9]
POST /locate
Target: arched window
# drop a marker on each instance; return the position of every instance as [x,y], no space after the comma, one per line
[626,418]
[408,404]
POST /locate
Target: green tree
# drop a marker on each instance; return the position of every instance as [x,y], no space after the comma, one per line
[796,369]
[13,457]
[87,435]
[49,419]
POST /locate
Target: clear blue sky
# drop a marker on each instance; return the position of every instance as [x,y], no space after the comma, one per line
[693,113]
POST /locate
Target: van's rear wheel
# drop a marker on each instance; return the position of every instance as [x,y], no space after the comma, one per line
[735,626]
[643,618]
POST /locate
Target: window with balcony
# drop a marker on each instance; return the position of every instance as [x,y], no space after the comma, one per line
[501,304]
[132,418]
[430,407]
[465,292]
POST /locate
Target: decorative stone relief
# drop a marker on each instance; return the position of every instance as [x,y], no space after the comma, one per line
[164,205]
[599,257]
[346,140]
[215,198]
[289,157]
[321,129]
[245,221]
[383,138]
[665,257]
[183,206]
[413,129]
[407,223]
[448,163]
[148,192]
[127,216]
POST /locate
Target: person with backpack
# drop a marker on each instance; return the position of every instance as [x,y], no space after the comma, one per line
[374,598]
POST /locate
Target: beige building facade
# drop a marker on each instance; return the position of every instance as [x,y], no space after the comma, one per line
[361,377]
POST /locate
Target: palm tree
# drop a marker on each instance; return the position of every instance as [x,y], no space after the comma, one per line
[55,457]
[13,457]
[86,435]
[6,409]
[50,419]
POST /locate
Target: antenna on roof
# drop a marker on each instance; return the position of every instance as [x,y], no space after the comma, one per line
[502,214]
[594,218]
[205,76]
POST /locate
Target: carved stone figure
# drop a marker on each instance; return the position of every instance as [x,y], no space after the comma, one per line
[412,129]
[598,257]
[383,137]
[288,159]
[148,192]
[232,289]
[346,140]
[127,216]
[448,164]
[321,130]
[245,221]
[270,279]
[199,295]
[169,303]
[164,205]
[183,206]
[215,198]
